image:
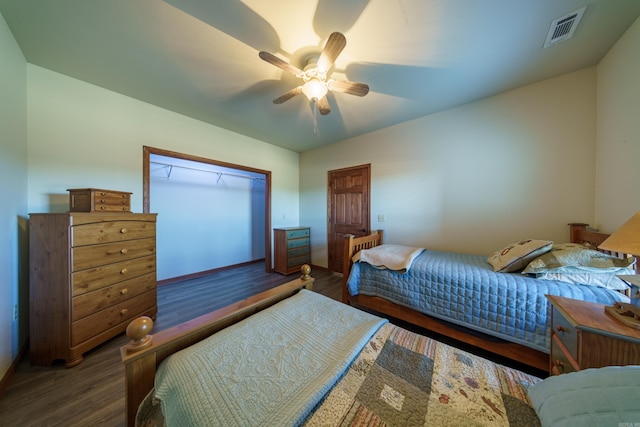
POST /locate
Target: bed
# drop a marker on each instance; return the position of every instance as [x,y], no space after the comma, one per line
[372,373]
[441,293]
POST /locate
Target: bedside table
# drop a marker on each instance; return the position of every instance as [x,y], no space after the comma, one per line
[584,336]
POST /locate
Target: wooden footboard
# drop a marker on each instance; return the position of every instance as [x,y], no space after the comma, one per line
[579,233]
[145,352]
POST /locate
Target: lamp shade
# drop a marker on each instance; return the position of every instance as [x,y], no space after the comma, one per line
[625,239]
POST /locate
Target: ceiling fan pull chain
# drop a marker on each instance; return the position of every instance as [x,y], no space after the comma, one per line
[315,117]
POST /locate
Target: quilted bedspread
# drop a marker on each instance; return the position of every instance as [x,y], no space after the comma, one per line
[270,369]
[404,379]
[464,289]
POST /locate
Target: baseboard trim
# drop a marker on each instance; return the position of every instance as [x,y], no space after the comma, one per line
[6,378]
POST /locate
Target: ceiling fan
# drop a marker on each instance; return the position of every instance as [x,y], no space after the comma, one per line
[316,83]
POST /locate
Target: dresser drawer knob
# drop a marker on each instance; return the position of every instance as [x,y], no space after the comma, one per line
[124,311]
[103,207]
[124,250]
[560,328]
[124,291]
[101,200]
[124,271]
[123,230]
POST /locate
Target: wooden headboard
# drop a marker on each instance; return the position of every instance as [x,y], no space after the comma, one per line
[353,245]
[581,233]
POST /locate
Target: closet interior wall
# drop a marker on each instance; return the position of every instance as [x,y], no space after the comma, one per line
[209,217]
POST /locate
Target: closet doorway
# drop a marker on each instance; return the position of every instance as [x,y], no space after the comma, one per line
[211,215]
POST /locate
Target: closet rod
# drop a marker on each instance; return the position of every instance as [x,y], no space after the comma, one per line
[170,167]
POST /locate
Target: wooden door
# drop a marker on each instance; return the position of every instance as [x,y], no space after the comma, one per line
[348,210]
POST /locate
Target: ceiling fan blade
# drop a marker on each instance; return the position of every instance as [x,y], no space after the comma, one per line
[331,50]
[323,106]
[358,89]
[274,60]
[288,95]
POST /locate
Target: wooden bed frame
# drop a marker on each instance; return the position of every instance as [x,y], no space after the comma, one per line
[145,352]
[579,233]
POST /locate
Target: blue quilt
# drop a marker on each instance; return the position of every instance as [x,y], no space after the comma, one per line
[464,289]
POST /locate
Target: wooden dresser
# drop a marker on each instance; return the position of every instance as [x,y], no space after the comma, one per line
[90,274]
[584,336]
[292,248]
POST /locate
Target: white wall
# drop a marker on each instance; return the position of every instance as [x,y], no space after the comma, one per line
[475,178]
[14,284]
[617,194]
[205,221]
[81,135]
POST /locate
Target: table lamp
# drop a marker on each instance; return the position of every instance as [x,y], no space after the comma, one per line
[626,240]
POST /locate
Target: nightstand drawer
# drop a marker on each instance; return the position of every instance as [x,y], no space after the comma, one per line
[560,363]
[584,336]
[566,333]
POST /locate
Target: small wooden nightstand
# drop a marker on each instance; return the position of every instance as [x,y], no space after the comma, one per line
[584,336]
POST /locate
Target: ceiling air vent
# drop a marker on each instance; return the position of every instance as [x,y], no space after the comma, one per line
[563,28]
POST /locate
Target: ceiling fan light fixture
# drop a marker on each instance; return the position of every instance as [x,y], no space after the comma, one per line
[314,89]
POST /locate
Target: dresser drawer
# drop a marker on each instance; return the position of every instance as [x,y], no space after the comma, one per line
[96,323]
[94,200]
[293,262]
[296,234]
[115,231]
[96,255]
[296,252]
[91,302]
[95,278]
[565,333]
[297,243]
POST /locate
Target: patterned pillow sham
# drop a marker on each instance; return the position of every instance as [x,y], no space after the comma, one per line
[517,255]
[575,258]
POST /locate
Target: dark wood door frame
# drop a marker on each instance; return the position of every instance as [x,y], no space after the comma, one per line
[146,188]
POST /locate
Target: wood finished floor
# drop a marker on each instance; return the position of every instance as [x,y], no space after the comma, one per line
[92,393]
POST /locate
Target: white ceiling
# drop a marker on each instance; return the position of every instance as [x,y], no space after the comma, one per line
[200,58]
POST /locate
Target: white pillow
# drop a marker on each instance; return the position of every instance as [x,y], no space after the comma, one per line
[517,255]
[605,396]
[574,258]
[602,280]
